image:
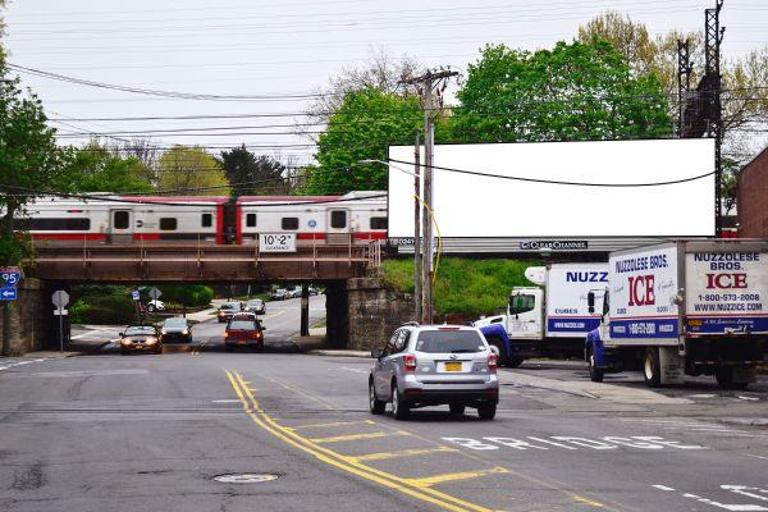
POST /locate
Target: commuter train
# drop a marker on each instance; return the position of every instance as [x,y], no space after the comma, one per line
[353,217]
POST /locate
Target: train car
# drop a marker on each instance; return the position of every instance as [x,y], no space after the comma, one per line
[353,217]
[120,220]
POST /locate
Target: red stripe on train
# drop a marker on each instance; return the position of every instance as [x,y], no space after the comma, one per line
[146,236]
[69,236]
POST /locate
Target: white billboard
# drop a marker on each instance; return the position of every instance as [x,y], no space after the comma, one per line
[472,205]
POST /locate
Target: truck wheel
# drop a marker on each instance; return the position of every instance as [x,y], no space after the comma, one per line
[595,374]
[724,377]
[651,369]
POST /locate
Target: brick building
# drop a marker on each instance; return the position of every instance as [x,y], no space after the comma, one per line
[753,197]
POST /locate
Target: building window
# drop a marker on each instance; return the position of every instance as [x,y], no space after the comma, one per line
[120,219]
[168,224]
[338,219]
[378,223]
[290,223]
[207,220]
[250,220]
[43,224]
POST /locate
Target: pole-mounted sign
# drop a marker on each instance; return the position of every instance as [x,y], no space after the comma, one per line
[60,299]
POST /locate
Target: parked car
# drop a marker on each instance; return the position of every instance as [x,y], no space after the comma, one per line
[140,338]
[431,365]
[256,306]
[176,329]
[294,293]
[279,294]
[313,290]
[155,305]
[244,330]
[228,309]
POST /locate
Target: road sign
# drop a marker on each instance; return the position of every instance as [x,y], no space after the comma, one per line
[135,295]
[60,299]
[7,293]
[11,275]
[277,242]
[60,312]
[155,293]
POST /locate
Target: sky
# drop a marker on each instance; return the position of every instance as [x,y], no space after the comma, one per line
[284,48]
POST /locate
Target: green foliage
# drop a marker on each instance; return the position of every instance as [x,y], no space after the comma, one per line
[576,91]
[187,295]
[95,169]
[114,309]
[191,171]
[250,175]
[465,287]
[363,127]
[29,161]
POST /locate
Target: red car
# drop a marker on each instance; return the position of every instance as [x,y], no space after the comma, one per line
[244,330]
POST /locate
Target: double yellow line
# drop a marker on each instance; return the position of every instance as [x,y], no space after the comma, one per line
[419,490]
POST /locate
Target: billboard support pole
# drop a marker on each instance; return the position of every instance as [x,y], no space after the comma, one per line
[417,257]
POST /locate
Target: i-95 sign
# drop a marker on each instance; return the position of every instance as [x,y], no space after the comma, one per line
[277,242]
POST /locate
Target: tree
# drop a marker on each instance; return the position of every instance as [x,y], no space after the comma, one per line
[363,127]
[577,91]
[190,170]
[252,175]
[94,168]
[29,161]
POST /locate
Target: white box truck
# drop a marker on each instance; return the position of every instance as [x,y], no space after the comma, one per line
[550,319]
[684,308]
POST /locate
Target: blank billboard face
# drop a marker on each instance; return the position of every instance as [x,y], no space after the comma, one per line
[479,206]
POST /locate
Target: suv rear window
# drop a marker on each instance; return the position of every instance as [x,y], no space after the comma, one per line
[449,341]
[242,325]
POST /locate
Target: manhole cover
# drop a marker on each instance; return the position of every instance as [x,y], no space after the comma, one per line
[246,478]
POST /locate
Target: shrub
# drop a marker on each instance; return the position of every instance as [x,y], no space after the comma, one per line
[188,295]
[108,309]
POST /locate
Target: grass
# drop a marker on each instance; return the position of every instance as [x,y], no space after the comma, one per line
[465,288]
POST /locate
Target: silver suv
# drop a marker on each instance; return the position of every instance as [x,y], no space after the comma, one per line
[433,365]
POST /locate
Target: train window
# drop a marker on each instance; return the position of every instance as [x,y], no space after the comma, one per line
[50,224]
[378,223]
[120,219]
[338,219]
[207,220]
[250,220]
[168,223]
[290,223]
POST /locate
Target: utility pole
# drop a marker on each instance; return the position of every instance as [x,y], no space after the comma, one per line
[431,85]
[417,259]
[713,36]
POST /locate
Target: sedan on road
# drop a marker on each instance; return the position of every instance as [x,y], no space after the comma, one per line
[432,365]
[244,330]
[176,329]
[256,306]
[140,338]
[280,294]
[228,309]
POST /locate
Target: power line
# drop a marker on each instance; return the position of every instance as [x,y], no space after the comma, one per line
[559,182]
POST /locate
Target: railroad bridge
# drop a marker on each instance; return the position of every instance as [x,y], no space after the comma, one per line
[359,309]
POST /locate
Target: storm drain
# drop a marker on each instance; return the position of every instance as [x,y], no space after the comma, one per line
[246,478]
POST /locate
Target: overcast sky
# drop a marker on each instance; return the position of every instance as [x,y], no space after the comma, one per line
[240,47]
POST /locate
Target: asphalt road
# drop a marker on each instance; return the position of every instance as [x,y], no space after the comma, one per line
[152,432]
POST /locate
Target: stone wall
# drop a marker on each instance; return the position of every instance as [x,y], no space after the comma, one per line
[30,318]
[374,312]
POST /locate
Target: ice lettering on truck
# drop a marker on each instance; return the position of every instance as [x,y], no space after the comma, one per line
[643,292]
[726,292]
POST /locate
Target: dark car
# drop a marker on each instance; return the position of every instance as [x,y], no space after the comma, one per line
[244,330]
[176,329]
[228,309]
[141,338]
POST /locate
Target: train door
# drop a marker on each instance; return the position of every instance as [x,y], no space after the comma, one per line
[338,229]
[121,226]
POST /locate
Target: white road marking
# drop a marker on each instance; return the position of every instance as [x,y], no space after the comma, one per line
[744,491]
[354,370]
[21,363]
[663,488]
[227,401]
[572,443]
[89,333]
[741,490]
[726,506]
[757,456]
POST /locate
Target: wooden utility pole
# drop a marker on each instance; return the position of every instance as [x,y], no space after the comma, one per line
[429,83]
[417,259]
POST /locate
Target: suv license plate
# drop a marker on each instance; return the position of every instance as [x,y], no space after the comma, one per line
[453,367]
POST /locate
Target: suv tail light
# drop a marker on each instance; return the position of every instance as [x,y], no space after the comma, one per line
[493,362]
[409,363]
